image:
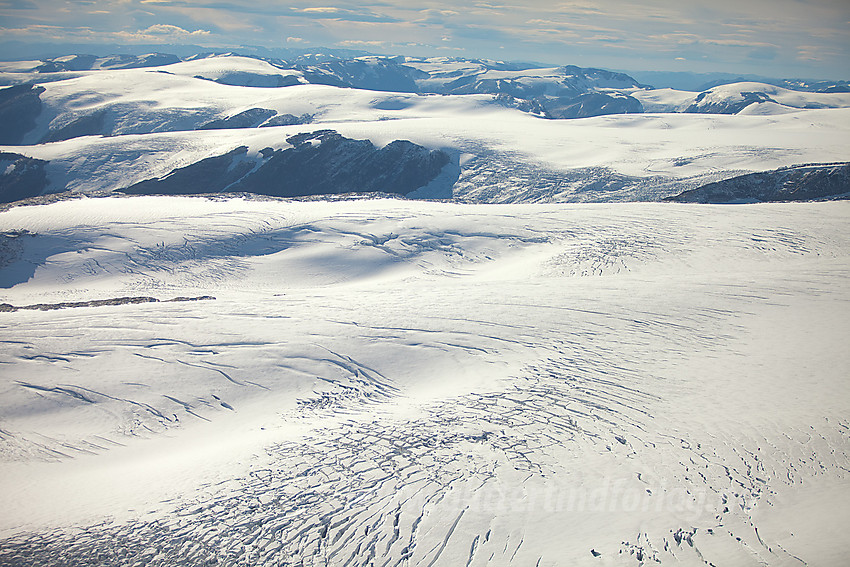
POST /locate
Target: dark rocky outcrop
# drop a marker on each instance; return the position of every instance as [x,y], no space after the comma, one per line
[529,106]
[318,163]
[377,74]
[9,308]
[82,62]
[287,120]
[21,177]
[209,175]
[12,248]
[73,63]
[591,104]
[91,124]
[248,79]
[798,183]
[126,61]
[250,118]
[842,87]
[19,107]
[324,162]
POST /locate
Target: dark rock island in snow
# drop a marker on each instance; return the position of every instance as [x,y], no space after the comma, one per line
[798,183]
[317,163]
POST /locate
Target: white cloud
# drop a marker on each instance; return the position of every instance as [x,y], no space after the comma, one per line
[168,29]
[361,43]
[320,10]
[159,32]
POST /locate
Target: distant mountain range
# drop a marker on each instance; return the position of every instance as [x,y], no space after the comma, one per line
[698,82]
[75,97]
[553,92]
[556,92]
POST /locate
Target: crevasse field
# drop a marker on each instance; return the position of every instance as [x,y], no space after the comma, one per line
[394,382]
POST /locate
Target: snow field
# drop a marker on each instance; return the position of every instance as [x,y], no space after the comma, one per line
[425,383]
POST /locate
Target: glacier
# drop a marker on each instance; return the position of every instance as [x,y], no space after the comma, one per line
[403,382]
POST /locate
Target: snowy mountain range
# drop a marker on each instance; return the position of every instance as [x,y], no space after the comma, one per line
[104,124]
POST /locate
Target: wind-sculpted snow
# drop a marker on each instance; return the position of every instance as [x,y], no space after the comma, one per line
[397,383]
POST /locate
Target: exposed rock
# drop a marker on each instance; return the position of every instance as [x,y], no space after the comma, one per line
[591,104]
[136,61]
[19,107]
[8,308]
[68,63]
[12,246]
[843,87]
[798,183]
[119,61]
[324,162]
[21,177]
[529,106]
[374,73]
[92,124]
[318,163]
[209,175]
[287,120]
[248,79]
[250,118]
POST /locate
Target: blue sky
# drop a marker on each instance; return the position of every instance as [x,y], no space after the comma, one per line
[770,37]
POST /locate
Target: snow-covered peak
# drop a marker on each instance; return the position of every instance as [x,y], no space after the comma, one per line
[236,71]
[736,97]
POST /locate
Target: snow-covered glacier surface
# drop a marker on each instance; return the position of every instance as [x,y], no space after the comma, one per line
[388,382]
